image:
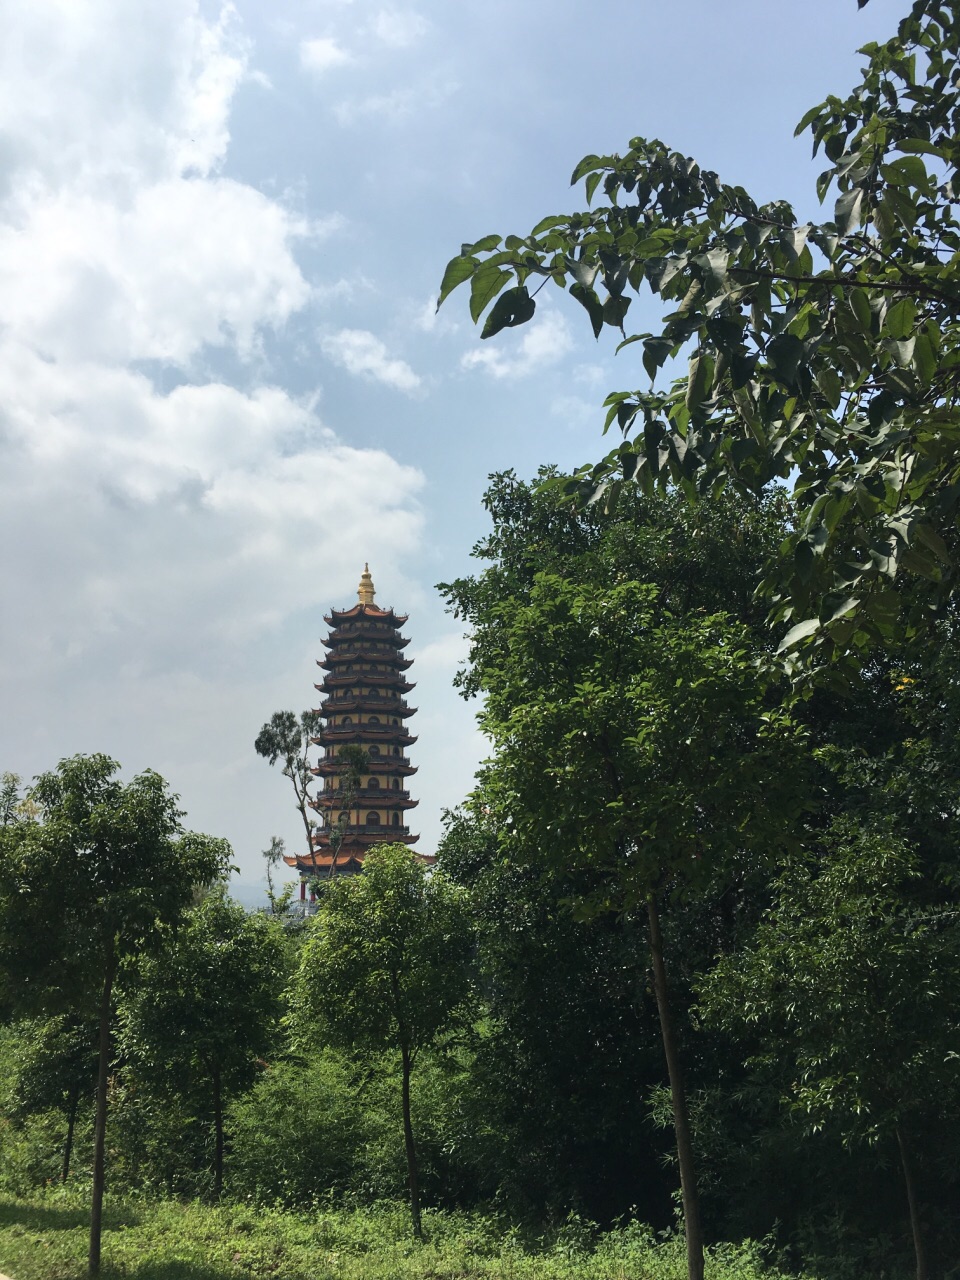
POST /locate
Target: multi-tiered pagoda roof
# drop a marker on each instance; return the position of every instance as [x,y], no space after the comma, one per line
[363,765]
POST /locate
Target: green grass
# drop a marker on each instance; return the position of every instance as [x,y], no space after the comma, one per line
[45,1238]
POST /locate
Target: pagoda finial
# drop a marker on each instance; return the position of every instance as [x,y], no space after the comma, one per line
[365,590]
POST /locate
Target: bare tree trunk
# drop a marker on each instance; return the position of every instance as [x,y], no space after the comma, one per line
[218,1133]
[100,1122]
[681,1120]
[906,1163]
[412,1175]
[71,1125]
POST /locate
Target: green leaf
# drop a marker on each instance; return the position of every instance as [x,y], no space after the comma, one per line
[785,354]
[794,239]
[458,270]
[902,351]
[511,308]
[699,380]
[860,305]
[849,209]
[918,146]
[907,171]
[836,610]
[928,535]
[588,299]
[591,184]
[900,319]
[655,353]
[828,381]
[807,120]
[800,632]
[486,284]
[660,271]
[587,165]
[715,264]
[585,273]
[614,311]
[547,224]
[486,245]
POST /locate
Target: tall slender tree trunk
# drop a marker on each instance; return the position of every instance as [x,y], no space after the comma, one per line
[100,1121]
[681,1120]
[906,1162]
[413,1179]
[218,1133]
[71,1125]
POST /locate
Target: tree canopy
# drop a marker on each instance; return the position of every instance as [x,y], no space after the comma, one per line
[822,351]
[386,967]
[88,880]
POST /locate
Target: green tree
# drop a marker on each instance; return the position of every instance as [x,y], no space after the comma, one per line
[286,738]
[386,967]
[88,883]
[272,857]
[56,1066]
[860,987]
[9,798]
[641,748]
[202,1011]
[823,351]
[566,1005]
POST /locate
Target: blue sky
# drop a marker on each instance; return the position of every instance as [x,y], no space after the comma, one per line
[223,386]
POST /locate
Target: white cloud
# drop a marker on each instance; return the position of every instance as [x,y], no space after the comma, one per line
[172,531]
[161,528]
[524,350]
[322,54]
[399,104]
[398,28]
[361,352]
[185,262]
[118,91]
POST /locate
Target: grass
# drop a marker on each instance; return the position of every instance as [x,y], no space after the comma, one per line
[45,1238]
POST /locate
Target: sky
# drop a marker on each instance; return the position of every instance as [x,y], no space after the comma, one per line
[224,385]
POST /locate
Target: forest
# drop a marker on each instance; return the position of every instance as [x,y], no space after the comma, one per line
[800,855]
[680,996]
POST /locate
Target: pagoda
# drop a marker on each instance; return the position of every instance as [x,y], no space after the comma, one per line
[363,764]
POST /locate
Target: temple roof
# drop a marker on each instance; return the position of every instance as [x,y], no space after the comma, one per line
[365,608]
[324,859]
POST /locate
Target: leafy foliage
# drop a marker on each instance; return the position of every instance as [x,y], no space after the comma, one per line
[200,1014]
[386,966]
[120,868]
[286,738]
[822,350]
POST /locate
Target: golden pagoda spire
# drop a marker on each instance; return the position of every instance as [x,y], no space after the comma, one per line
[365,589]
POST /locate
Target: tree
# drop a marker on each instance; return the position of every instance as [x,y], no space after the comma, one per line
[204,1009]
[566,1004]
[640,748]
[56,1064]
[859,987]
[88,883]
[825,351]
[285,738]
[9,798]
[273,856]
[386,967]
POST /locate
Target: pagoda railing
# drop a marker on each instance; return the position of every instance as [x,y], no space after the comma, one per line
[377,635]
[338,657]
[366,702]
[362,834]
[378,798]
[363,729]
